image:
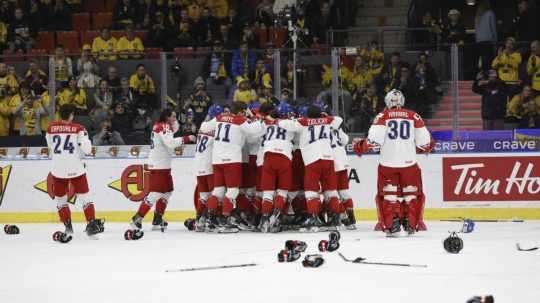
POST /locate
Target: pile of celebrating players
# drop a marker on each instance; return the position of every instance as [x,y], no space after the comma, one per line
[267,168]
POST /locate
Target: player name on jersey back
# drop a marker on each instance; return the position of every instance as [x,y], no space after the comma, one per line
[68,142]
[398,132]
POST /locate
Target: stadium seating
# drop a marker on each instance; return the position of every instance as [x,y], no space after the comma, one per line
[102,20]
[45,40]
[87,37]
[184,52]
[81,21]
[69,39]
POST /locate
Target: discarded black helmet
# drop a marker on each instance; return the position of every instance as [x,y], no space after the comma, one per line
[453,244]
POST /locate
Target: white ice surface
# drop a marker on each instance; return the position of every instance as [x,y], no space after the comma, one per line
[33,268]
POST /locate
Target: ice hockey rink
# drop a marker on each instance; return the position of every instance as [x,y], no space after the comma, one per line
[111,269]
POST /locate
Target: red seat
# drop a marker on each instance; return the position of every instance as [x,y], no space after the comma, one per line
[45,40]
[87,37]
[153,52]
[141,35]
[203,51]
[81,22]
[262,33]
[118,34]
[94,6]
[69,39]
[184,52]
[16,57]
[278,36]
[110,5]
[36,54]
[102,20]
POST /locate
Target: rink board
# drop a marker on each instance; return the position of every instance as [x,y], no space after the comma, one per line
[481,186]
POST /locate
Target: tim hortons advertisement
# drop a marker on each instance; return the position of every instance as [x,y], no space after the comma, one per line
[491,179]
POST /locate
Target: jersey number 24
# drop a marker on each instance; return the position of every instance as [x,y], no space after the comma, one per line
[58,146]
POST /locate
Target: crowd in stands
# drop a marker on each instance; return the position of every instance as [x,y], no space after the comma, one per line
[502,59]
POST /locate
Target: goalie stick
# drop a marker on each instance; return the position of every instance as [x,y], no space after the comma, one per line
[361,260]
[525,249]
[211,267]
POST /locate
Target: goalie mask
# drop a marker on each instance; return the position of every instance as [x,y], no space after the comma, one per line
[394,98]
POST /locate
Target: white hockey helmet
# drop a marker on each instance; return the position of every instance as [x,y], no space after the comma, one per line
[394,98]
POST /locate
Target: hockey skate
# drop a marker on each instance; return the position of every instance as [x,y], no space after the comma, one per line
[350,220]
[333,222]
[69,227]
[240,220]
[201,223]
[158,223]
[312,224]
[407,227]
[226,225]
[136,222]
[395,229]
[93,228]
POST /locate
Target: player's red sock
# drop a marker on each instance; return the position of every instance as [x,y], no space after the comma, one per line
[257,204]
[144,208]
[313,206]
[334,206]
[279,203]
[161,206]
[212,204]
[348,204]
[89,212]
[299,205]
[242,202]
[266,207]
[200,206]
[227,206]
[64,213]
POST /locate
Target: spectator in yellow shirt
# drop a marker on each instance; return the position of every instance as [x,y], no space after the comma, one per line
[30,111]
[46,102]
[104,46]
[5,115]
[3,36]
[130,46]
[9,85]
[375,58]
[63,67]
[360,76]
[73,95]
[244,93]
[143,88]
[219,8]
[507,65]
[533,66]
[11,106]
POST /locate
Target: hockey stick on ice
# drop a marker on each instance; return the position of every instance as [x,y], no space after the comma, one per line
[525,249]
[211,267]
[361,260]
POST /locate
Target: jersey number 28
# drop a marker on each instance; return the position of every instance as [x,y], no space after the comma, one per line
[58,146]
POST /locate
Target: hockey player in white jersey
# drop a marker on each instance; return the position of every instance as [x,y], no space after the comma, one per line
[339,140]
[205,171]
[398,133]
[314,131]
[231,130]
[68,142]
[276,178]
[160,182]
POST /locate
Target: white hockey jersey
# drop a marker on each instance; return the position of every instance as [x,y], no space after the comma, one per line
[203,152]
[230,134]
[68,143]
[162,145]
[278,137]
[339,140]
[314,137]
[398,132]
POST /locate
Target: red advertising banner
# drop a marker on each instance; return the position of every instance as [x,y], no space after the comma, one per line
[491,179]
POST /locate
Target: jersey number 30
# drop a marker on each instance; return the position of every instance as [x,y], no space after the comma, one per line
[67,146]
[401,129]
